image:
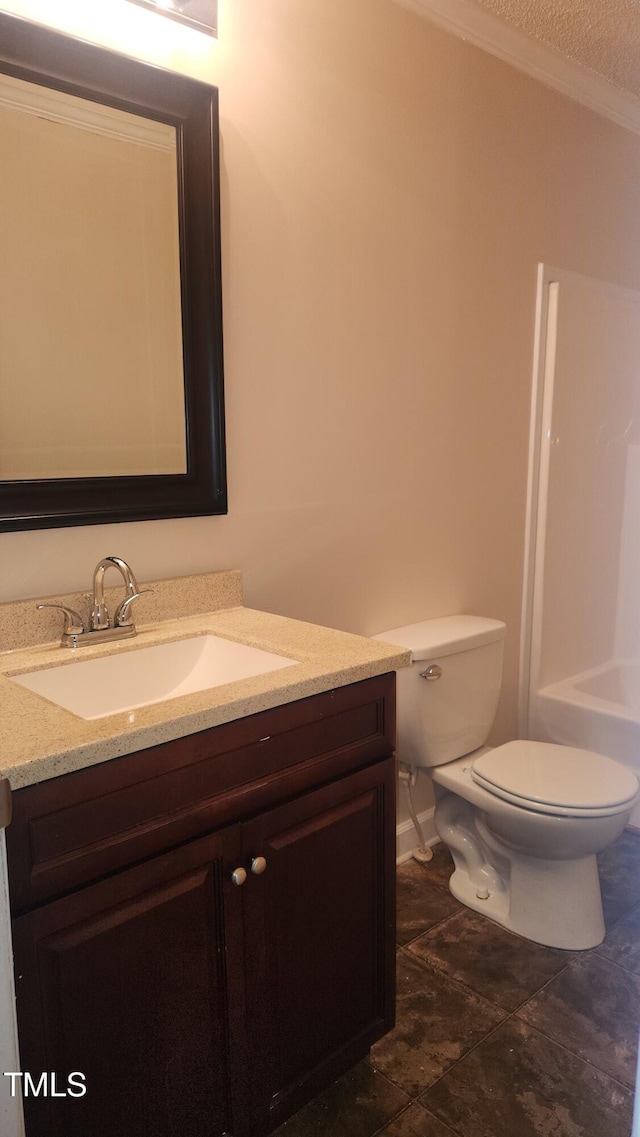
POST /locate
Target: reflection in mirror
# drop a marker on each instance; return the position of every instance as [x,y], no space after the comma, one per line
[91,266]
[111,367]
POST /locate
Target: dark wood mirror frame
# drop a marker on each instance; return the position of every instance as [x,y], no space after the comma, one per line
[49,59]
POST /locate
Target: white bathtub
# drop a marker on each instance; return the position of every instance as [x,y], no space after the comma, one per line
[596,710]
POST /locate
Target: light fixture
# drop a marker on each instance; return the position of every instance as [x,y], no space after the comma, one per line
[199,14]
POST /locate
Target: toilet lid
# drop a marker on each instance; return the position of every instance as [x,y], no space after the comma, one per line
[548,777]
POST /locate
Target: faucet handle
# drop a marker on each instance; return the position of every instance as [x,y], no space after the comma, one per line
[73,625]
[122,619]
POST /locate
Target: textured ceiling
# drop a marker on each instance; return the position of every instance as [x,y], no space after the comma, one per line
[603,35]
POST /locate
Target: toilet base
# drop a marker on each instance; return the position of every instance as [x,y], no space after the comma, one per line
[552,902]
[552,918]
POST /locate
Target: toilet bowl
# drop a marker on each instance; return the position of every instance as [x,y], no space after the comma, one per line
[523,821]
[540,855]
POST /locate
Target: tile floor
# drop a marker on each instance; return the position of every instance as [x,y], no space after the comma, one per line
[497,1036]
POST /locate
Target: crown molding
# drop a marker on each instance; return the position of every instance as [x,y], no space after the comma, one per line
[469,21]
[57,106]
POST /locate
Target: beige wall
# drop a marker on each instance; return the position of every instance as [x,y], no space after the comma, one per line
[387,191]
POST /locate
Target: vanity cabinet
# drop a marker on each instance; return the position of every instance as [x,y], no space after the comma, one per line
[125,982]
[204,929]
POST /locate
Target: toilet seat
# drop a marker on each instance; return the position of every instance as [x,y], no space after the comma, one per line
[559,780]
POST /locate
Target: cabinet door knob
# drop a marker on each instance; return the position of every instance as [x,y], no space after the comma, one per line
[239,876]
[258,865]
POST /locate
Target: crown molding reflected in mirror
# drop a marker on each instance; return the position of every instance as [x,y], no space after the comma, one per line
[59,68]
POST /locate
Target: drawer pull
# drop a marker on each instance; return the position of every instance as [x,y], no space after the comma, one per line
[239,876]
[258,865]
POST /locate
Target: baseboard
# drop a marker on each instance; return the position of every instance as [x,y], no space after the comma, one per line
[406,837]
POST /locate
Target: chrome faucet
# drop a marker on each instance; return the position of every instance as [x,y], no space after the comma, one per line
[99,616]
[100,629]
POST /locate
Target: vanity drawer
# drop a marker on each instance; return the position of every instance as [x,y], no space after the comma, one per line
[84,825]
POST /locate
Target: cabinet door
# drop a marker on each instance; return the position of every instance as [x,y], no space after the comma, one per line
[319,937]
[126,982]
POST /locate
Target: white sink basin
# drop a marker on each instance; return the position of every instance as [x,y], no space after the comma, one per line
[93,688]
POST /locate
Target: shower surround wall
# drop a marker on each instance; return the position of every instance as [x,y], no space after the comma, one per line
[581,647]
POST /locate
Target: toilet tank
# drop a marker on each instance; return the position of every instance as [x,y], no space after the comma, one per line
[440,719]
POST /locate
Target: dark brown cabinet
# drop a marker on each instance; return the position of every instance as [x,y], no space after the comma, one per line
[205,929]
[317,939]
[124,981]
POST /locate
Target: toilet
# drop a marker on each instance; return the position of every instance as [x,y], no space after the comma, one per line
[523,821]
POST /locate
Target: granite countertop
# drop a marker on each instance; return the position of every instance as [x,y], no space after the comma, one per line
[39,740]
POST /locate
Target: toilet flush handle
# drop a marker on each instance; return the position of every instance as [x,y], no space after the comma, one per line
[432,672]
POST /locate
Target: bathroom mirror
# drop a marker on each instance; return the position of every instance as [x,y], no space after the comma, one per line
[111,381]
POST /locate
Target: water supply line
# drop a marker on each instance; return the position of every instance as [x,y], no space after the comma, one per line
[420,852]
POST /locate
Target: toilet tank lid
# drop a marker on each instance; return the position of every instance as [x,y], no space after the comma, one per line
[444,635]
